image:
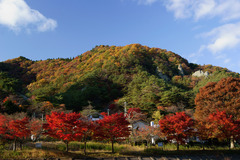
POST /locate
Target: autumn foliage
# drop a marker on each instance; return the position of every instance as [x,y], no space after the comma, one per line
[36,128]
[177,127]
[149,132]
[223,126]
[222,95]
[63,126]
[112,128]
[219,125]
[3,126]
[85,130]
[16,130]
[135,114]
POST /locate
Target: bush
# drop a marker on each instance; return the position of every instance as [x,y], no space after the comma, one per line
[61,147]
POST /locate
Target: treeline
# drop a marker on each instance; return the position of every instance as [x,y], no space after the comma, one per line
[64,126]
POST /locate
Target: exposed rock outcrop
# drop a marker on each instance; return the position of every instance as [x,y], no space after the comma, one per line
[200,73]
[161,75]
[181,72]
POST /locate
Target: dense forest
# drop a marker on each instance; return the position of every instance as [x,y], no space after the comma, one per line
[105,77]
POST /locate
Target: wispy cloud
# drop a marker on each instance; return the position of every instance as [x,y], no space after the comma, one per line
[146,2]
[17,15]
[224,37]
[227,60]
[181,8]
[225,10]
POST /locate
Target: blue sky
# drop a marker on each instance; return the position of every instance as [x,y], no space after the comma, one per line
[203,31]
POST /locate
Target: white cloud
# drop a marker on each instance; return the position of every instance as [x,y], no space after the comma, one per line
[224,9]
[224,37]
[197,9]
[17,15]
[203,8]
[227,60]
[147,2]
[181,8]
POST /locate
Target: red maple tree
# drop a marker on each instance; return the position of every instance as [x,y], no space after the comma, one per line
[3,126]
[112,127]
[223,126]
[177,127]
[18,130]
[85,130]
[63,126]
[36,128]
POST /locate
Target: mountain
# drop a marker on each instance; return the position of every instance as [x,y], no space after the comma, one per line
[141,76]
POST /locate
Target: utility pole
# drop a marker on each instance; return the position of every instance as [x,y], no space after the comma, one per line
[125,108]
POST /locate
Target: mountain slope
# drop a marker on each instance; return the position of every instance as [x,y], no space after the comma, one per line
[141,76]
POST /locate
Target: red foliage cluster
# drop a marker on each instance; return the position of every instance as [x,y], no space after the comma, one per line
[223,126]
[112,127]
[134,114]
[16,130]
[62,126]
[72,126]
[177,127]
[219,125]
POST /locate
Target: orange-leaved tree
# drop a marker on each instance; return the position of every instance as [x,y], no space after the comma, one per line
[223,126]
[201,131]
[112,127]
[177,127]
[222,95]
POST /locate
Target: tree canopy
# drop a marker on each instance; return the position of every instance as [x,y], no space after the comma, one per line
[222,95]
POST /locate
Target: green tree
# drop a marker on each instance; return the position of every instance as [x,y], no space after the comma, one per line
[157,116]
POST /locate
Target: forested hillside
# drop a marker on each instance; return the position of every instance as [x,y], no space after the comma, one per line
[138,75]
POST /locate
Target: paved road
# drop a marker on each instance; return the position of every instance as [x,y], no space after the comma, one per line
[186,157]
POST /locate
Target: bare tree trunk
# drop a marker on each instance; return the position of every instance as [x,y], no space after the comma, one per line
[231,143]
[21,145]
[112,145]
[85,145]
[177,146]
[67,146]
[15,145]
[133,137]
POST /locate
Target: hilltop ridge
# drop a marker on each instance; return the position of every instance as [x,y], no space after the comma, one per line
[144,77]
